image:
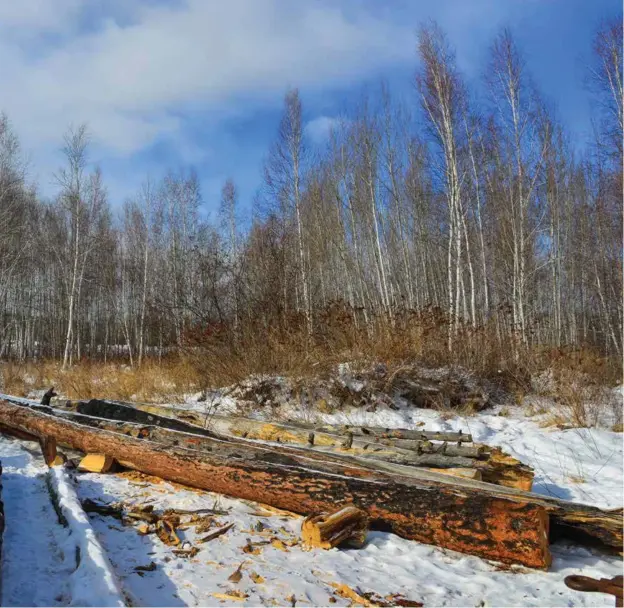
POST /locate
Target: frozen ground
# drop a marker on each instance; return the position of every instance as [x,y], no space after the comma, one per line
[576,464]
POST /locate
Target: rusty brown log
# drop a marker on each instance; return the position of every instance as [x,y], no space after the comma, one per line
[499,469]
[430,510]
[583,523]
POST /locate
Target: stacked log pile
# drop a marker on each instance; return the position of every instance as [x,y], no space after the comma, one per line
[449,453]
[312,477]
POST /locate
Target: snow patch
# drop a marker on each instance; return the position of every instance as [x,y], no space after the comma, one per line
[93,583]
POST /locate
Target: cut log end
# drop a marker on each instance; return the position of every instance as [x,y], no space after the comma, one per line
[347,527]
[96,463]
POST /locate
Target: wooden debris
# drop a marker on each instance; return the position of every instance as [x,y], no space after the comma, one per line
[235,595]
[166,533]
[350,594]
[149,568]
[613,586]
[252,548]
[256,578]
[346,526]
[96,463]
[237,575]
[59,460]
[215,534]
[467,473]
[143,529]
[113,510]
[48,449]
[187,552]
[279,544]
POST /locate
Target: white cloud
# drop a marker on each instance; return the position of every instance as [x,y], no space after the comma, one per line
[129,79]
[319,128]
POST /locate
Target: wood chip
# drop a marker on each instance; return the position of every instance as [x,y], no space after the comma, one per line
[149,568]
[215,534]
[237,575]
[278,544]
[192,552]
[350,594]
[234,595]
[144,528]
[166,533]
[251,549]
[256,578]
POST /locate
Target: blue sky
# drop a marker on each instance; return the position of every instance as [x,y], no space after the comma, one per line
[177,83]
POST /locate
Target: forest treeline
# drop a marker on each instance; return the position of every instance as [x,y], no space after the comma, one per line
[461,216]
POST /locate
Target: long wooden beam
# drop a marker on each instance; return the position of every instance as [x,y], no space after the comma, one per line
[429,510]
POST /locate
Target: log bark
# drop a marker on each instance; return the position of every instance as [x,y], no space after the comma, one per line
[387,433]
[467,473]
[348,526]
[431,510]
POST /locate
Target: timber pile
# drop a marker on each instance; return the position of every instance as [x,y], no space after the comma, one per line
[443,452]
[491,521]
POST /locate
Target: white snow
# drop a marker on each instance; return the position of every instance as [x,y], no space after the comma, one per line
[39,554]
[93,582]
[34,568]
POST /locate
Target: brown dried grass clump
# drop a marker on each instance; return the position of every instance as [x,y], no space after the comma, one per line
[153,381]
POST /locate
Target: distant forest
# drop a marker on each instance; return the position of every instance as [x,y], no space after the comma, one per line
[464,209]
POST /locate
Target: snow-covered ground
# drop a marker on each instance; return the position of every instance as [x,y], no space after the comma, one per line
[46,562]
[575,464]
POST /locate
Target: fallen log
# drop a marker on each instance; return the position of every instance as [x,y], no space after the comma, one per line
[499,468]
[495,466]
[293,432]
[388,433]
[229,457]
[435,509]
[347,526]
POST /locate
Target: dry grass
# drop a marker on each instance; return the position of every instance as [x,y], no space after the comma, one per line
[575,382]
[150,383]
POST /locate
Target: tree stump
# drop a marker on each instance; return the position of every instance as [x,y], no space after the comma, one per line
[345,527]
